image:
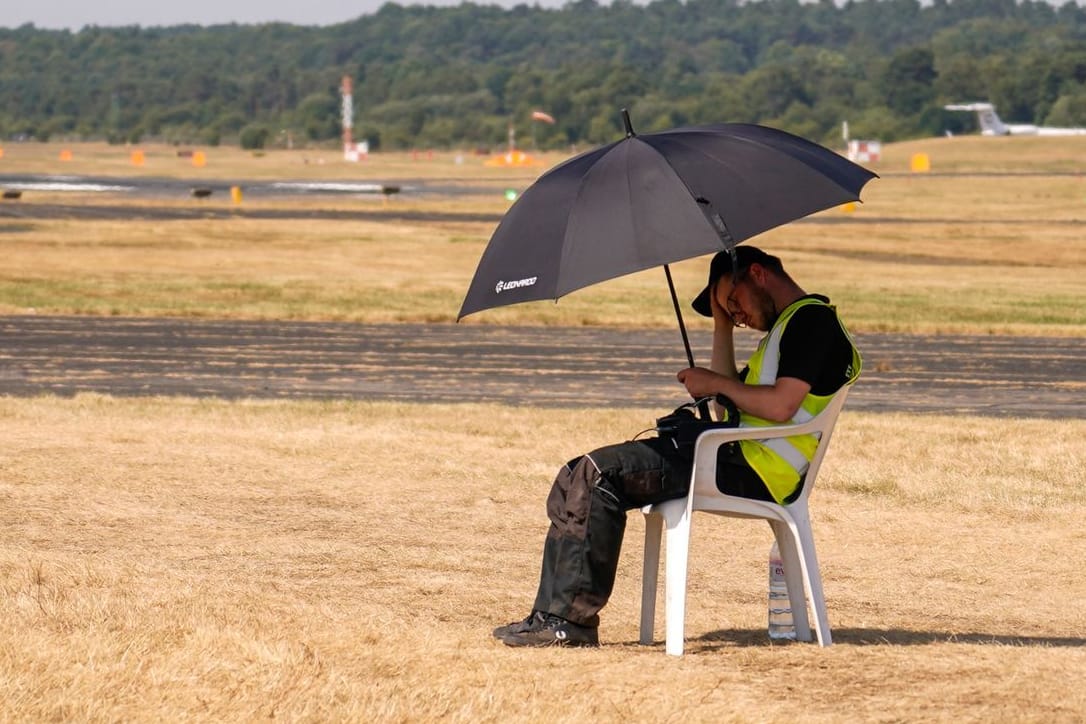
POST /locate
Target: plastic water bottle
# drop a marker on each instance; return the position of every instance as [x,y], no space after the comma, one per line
[781,626]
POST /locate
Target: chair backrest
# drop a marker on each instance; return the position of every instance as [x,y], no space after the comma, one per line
[828,420]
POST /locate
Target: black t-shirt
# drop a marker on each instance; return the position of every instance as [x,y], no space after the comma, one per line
[815,349]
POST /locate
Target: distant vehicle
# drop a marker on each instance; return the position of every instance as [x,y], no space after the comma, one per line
[990,125]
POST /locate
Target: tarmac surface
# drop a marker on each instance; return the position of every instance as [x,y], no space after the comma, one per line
[532,366]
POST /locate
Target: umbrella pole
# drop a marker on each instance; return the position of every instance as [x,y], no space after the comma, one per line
[703,408]
[679,315]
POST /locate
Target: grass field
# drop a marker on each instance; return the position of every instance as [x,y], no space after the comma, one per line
[229,163]
[924,253]
[203,560]
[168,559]
[963,154]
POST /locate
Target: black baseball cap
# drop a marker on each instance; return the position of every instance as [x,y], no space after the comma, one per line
[722,264]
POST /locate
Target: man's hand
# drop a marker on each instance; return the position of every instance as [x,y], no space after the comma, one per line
[701,382]
[777,402]
[721,289]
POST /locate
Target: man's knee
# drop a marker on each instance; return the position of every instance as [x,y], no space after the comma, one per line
[636,473]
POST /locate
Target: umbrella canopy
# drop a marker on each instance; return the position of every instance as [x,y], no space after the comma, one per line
[653,199]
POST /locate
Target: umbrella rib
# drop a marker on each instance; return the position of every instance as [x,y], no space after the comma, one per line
[581,182]
[723,238]
[591,158]
[722,232]
[797,151]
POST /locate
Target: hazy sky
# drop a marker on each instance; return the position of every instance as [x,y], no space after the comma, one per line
[74,14]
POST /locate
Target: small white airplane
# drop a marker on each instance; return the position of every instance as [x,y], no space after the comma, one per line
[990,125]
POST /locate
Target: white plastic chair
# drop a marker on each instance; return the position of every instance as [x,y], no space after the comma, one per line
[791,526]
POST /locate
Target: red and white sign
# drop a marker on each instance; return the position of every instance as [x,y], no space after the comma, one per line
[864,151]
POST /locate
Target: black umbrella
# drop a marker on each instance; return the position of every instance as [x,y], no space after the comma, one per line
[649,200]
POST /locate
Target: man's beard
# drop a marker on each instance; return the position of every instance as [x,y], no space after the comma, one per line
[766,310]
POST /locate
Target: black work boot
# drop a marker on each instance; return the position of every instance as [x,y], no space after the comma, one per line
[531,623]
[555,631]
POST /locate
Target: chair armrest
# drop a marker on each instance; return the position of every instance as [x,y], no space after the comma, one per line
[710,441]
[718,436]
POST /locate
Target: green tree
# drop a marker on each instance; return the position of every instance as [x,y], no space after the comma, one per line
[450,75]
[909,80]
[318,116]
[1069,109]
[254,136]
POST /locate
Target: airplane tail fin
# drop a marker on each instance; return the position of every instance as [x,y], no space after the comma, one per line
[990,125]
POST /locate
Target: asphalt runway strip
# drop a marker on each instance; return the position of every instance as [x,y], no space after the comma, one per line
[105,211]
[545,366]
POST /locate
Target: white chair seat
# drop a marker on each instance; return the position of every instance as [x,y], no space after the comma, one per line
[791,526]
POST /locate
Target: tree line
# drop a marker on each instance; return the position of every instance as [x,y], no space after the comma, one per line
[454,77]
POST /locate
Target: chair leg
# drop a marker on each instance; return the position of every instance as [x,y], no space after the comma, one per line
[678,544]
[654,524]
[813,578]
[794,575]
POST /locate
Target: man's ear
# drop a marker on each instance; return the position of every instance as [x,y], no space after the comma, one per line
[758,273]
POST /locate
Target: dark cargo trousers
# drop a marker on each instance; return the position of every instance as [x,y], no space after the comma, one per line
[587,508]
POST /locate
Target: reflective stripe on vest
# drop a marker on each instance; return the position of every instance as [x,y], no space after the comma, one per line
[782,462]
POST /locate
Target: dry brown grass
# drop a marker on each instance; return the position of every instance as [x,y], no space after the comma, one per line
[201,560]
[924,253]
[968,154]
[975,153]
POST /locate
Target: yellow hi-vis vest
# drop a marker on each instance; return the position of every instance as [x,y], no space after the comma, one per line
[782,462]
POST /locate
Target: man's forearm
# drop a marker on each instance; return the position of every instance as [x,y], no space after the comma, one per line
[723,361]
[777,402]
